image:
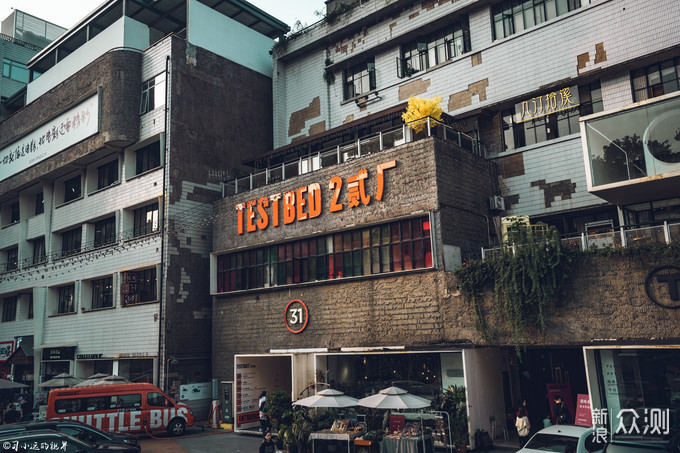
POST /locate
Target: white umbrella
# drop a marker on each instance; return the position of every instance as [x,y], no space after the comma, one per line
[110,380]
[92,380]
[61,380]
[5,384]
[327,398]
[394,398]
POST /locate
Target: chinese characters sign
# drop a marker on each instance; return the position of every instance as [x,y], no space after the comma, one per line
[553,102]
[51,138]
[304,203]
[6,349]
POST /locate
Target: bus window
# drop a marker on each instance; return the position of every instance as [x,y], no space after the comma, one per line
[157,400]
[126,401]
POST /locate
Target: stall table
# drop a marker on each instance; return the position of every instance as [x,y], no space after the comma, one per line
[399,444]
[321,436]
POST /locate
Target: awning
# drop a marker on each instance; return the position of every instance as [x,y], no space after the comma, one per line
[69,344]
[23,355]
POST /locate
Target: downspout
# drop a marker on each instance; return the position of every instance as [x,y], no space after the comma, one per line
[162,373]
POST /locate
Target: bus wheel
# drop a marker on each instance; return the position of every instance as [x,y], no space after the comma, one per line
[176,427]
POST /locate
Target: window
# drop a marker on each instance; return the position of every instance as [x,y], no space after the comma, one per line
[12,258]
[14,70]
[153,94]
[14,212]
[139,286]
[105,232]
[107,174]
[436,48]
[396,246]
[39,203]
[156,399]
[148,157]
[30,306]
[514,16]
[71,241]
[66,300]
[72,189]
[102,293]
[39,250]
[359,79]
[145,220]
[9,308]
[517,134]
[656,80]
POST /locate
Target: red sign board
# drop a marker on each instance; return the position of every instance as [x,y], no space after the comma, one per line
[583,414]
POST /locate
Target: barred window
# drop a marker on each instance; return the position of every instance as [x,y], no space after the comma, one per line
[71,241]
[139,286]
[392,247]
[105,232]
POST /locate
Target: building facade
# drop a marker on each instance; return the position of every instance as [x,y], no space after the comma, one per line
[304,287]
[106,182]
[23,35]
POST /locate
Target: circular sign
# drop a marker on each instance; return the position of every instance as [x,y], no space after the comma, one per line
[296,316]
[661,286]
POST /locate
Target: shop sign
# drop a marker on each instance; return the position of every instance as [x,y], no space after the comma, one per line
[296,316]
[661,286]
[59,133]
[200,391]
[583,414]
[6,350]
[89,356]
[553,102]
[58,353]
[304,203]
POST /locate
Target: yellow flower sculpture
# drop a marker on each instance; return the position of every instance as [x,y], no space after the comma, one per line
[419,108]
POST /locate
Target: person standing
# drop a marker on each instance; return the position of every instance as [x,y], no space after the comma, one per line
[12,415]
[561,412]
[523,426]
[264,421]
[268,446]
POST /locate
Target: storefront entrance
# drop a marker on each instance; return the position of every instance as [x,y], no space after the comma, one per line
[252,376]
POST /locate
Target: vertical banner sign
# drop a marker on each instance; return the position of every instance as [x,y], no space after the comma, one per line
[583,413]
[296,316]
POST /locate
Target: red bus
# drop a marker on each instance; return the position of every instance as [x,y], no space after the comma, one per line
[120,408]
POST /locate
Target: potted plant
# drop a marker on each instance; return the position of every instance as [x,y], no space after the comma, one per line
[295,434]
[453,402]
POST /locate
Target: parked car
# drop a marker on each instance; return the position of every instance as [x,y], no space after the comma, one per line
[50,441]
[556,438]
[74,428]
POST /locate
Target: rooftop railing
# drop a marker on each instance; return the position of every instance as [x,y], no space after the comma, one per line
[344,152]
[623,237]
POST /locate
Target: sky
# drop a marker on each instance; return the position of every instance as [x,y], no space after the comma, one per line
[66,13]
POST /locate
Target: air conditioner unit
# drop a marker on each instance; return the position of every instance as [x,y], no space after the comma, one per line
[496,203]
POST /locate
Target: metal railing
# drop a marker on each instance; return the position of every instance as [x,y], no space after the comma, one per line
[625,236]
[364,146]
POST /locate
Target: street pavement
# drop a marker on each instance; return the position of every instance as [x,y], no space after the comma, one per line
[197,440]
[203,439]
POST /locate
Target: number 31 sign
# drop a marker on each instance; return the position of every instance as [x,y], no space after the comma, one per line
[296,316]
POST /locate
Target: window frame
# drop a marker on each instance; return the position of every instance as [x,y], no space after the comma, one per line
[39,252]
[151,88]
[659,88]
[359,74]
[12,262]
[73,188]
[142,284]
[9,67]
[72,241]
[514,16]
[9,308]
[105,232]
[66,299]
[140,221]
[102,293]
[14,213]
[39,203]
[148,158]
[361,252]
[108,174]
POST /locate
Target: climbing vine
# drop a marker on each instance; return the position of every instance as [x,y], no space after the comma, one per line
[530,273]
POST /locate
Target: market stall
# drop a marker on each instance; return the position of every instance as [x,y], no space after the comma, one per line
[335,439]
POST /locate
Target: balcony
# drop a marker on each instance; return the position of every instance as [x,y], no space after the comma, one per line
[625,236]
[632,154]
[364,146]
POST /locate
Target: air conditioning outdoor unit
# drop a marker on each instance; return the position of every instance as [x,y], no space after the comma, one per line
[497,203]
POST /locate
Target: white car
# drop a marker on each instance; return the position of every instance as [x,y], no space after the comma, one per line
[557,438]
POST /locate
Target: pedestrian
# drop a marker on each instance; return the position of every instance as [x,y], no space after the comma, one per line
[264,420]
[12,415]
[522,404]
[561,412]
[523,426]
[268,446]
[546,421]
